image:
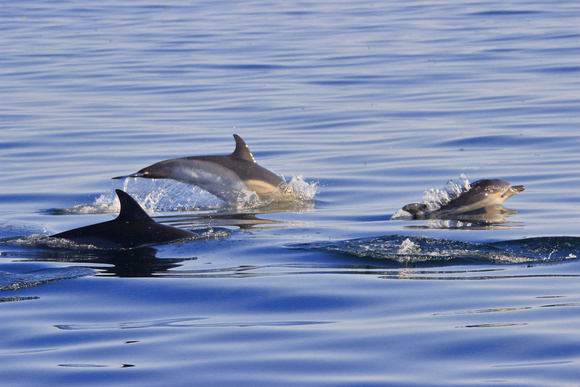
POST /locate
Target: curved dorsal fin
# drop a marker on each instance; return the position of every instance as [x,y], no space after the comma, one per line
[130,209]
[242,151]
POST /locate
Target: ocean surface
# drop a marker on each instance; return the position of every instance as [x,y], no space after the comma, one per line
[362,107]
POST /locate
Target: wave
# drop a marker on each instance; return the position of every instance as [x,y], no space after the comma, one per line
[13,281]
[407,250]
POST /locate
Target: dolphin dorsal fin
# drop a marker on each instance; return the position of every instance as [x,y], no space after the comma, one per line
[242,151]
[130,209]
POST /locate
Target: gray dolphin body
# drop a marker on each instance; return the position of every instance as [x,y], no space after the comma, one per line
[132,228]
[225,176]
[481,196]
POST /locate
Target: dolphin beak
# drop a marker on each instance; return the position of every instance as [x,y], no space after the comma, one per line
[514,189]
[138,174]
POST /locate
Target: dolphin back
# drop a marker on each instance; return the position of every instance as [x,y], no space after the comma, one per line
[229,177]
[132,228]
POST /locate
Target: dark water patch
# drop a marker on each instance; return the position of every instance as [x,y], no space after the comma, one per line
[559,69]
[493,325]
[501,141]
[509,12]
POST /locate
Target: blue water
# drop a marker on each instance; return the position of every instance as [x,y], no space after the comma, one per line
[364,107]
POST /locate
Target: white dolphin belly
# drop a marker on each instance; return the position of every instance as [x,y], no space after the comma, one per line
[214,178]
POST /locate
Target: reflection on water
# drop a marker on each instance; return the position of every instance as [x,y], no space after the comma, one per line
[471,275]
[254,219]
[243,221]
[487,218]
[139,262]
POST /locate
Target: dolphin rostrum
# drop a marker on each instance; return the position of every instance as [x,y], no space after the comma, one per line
[482,195]
[132,228]
[225,176]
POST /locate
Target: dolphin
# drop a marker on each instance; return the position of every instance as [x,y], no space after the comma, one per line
[132,228]
[482,195]
[225,176]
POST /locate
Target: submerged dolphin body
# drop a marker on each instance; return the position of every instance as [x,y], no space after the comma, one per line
[482,196]
[132,228]
[225,176]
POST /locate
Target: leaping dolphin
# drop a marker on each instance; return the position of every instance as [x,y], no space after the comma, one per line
[482,195]
[132,228]
[225,176]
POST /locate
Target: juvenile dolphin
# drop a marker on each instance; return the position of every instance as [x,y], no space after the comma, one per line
[481,196]
[225,176]
[132,228]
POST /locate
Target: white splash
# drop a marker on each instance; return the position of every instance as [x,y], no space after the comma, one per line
[401,215]
[304,189]
[161,195]
[408,247]
[436,198]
